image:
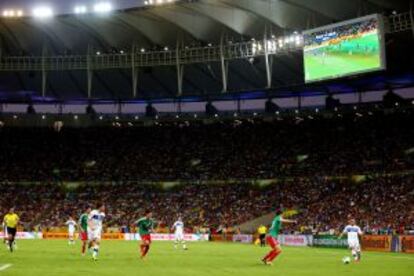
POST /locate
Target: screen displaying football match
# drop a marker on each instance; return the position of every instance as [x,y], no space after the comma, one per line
[348,48]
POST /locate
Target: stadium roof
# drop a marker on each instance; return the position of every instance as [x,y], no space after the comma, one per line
[193,21]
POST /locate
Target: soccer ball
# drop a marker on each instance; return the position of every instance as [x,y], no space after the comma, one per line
[346,260]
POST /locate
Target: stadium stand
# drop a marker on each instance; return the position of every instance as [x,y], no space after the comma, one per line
[322,168]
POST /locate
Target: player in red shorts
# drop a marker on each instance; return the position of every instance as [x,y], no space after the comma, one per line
[271,238]
[83,231]
[145,226]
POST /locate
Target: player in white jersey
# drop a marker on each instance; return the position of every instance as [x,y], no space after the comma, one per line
[95,220]
[178,228]
[71,230]
[353,231]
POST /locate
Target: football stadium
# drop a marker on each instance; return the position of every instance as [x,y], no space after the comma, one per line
[206,137]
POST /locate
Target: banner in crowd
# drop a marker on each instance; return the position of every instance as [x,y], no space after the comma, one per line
[329,241]
[407,244]
[376,243]
[296,240]
[243,238]
[25,235]
[167,237]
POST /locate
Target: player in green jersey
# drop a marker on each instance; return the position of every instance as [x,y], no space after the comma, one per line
[272,237]
[145,227]
[83,224]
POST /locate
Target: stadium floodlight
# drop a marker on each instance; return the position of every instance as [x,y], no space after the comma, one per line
[160,2]
[146,3]
[43,12]
[12,13]
[142,50]
[103,7]
[80,9]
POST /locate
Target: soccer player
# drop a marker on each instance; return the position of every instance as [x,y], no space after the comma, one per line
[262,230]
[353,231]
[71,230]
[11,220]
[83,229]
[145,227]
[95,220]
[271,237]
[178,228]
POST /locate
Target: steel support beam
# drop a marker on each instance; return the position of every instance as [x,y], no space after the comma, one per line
[224,65]
[89,72]
[180,70]
[268,59]
[44,72]
[134,72]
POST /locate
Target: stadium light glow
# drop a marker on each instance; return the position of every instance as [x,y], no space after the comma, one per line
[80,9]
[103,7]
[12,13]
[158,2]
[43,12]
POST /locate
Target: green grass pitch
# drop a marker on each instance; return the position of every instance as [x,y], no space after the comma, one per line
[205,259]
[358,55]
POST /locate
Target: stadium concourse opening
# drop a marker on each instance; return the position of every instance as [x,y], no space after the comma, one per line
[207,137]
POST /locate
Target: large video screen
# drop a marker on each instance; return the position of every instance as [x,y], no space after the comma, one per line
[344,49]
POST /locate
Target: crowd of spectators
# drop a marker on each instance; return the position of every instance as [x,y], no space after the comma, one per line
[313,162]
[222,150]
[323,204]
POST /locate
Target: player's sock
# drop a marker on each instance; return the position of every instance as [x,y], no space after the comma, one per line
[274,255]
[184,245]
[268,255]
[142,246]
[83,248]
[175,244]
[146,249]
[359,255]
[354,254]
[11,245]
[95,251]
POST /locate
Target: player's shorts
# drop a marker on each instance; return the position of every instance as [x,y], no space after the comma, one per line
[179,236]
[272,242]
[94,235]
[11,231]
[354,245]
[71,233]
[146,238]
[83,236]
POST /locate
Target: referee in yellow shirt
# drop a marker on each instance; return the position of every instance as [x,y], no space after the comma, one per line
[262,230]
[11,220]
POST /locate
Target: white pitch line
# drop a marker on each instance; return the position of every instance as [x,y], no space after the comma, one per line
[4,267]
